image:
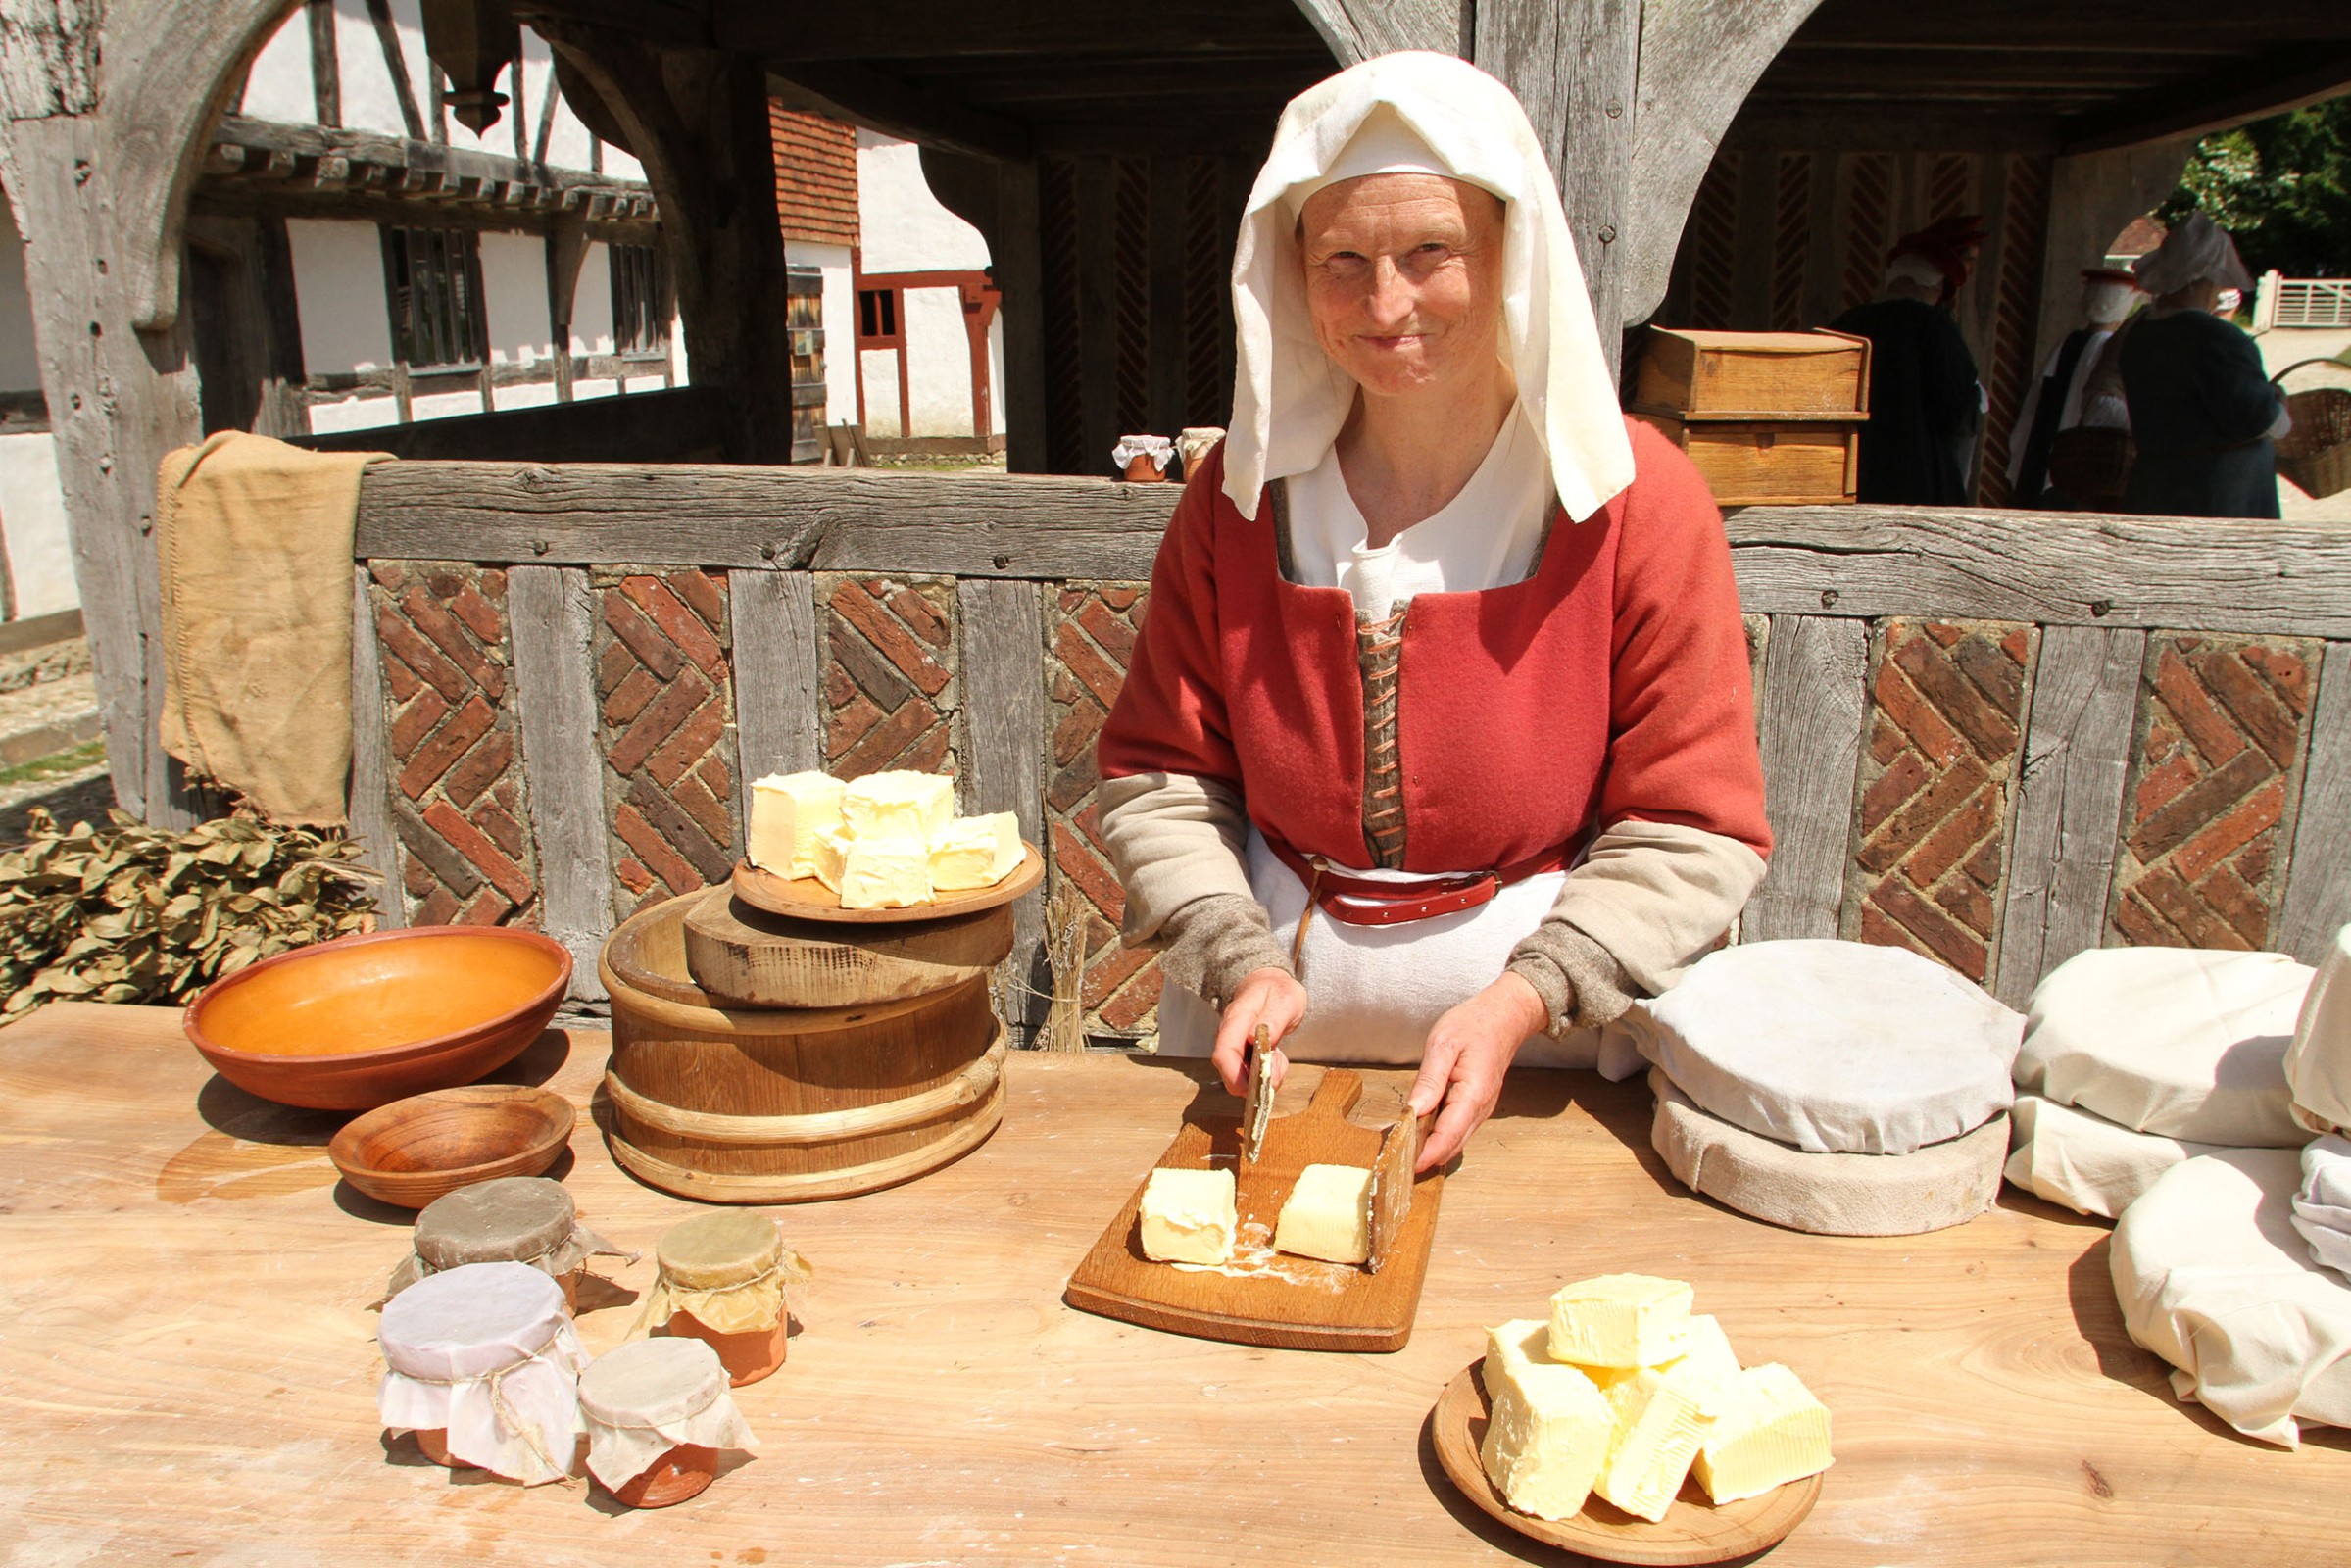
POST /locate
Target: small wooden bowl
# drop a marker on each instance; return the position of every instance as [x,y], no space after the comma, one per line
[361,1021]
[413,1151]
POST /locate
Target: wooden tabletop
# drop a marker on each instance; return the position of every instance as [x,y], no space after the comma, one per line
[188,1365]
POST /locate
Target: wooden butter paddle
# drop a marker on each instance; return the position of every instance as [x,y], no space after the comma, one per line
[1391,1195]
[1256,1104]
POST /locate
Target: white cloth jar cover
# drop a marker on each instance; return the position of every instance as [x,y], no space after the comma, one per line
[1834,1047]
[1416,112]
[649,1397]
[486,1353]
[2323,1202]
[2318,1064]
[2214,1278]
[727,1268]
[2087,1163]
[518,1219]
[2174,1041]
[1930,1189]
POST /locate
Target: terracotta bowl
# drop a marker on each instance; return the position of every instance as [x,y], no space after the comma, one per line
[413,1151]
[361,1021]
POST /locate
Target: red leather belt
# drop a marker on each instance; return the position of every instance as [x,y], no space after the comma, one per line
[1362,901]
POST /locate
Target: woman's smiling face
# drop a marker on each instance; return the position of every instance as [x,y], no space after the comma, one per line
[1403,279]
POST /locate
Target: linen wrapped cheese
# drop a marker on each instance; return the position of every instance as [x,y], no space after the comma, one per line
[1929,1189]
[2087,1163]
[2177,1041]
[1834,1047]
[2214,1278]
[2318,1063]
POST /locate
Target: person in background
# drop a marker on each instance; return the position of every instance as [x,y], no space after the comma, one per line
[2204,414]
[2061,400]
[1924,400]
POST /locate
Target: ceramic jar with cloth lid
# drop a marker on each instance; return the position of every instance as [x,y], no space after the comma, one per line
[1831,1086]
[481,1362]
[656,1412]
[514,1219]
[723,1278]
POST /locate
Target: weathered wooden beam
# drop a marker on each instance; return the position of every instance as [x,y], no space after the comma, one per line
[552,622]
[1813,702]
[2056,569]
[866,97]
[1017,248]
[1573,64]
[2277,80]
[1003,761]
[2318,892]
[779,669]
[2069,802]
[371,802]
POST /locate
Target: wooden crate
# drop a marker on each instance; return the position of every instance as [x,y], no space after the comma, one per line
[1754,375]
[1785,463]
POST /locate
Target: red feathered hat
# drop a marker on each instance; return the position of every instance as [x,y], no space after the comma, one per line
[1947,246]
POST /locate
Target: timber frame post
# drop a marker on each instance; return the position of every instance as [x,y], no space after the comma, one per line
[106,114]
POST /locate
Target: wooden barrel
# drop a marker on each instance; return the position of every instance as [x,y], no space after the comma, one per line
[744,957]
[752,1106]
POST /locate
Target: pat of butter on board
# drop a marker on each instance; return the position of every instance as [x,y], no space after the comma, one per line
[787,813]
[1550,1430]
[1687,1410]
[899,803]
[885,841]
[1328,1215]
[975,852]
[1189,1216]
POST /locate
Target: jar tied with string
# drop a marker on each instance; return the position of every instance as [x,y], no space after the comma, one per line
[722,1280]
[482,1364]
[514,1219]
[657,1413]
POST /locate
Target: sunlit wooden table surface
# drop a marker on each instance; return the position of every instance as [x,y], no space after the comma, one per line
[188,1366]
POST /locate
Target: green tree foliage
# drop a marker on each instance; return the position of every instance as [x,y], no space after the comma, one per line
[2281,186]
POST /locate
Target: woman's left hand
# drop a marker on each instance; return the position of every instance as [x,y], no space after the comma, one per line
[1463,1065]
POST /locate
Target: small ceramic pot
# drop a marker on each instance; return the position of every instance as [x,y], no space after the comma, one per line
[435,1444]
[748,1356]
[1142,471]
[682,1473]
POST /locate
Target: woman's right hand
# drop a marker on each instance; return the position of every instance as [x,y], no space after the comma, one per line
[1269,996]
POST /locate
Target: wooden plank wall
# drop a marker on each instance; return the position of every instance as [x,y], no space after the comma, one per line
[2179,694]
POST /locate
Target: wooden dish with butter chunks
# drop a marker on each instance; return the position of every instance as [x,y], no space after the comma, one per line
[1692,1531]
[884,848]
[806,898]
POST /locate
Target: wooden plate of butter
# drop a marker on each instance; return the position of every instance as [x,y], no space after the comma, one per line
[1613,1428]
[888,847]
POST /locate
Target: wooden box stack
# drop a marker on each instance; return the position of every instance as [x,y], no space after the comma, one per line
[1769,417]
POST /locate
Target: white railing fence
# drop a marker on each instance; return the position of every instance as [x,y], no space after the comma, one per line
[2301,302]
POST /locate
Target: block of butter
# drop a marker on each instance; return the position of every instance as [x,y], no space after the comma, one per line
[1328,1215]
[975,852]
[828,856]
[787,813]
[1768,1430]
[1704,1348]
[899,805]
[1189,1216]
[1662,1416]
[1619,1320]
[1549,1432]
[886,871]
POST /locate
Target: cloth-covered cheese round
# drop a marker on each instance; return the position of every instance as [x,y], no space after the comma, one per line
[1834,1047]
[1930,1189]
[2214,1278]
[2171,1041]
[2318,1065]
[2087,1163]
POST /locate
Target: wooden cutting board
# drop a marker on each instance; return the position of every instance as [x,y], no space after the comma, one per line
[1263,1297]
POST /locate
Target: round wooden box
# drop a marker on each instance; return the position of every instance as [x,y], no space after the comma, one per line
[766,1105]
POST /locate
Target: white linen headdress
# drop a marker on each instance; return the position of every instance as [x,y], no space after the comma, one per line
[2196,248]
[1416,113]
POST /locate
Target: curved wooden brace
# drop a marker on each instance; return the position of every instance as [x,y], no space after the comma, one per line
[1698,62]
[1357,30]
[164,76]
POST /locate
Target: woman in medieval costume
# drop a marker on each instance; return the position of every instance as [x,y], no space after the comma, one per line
[1437,744]
[2202,410]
